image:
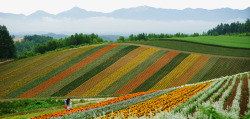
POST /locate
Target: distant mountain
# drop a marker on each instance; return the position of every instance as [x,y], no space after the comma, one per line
[150,13]
[56,36]
[110,37]
[40,14]
[144,13]
[53,35]
[122,21]
[77,12]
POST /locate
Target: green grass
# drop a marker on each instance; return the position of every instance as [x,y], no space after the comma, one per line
[71,86]
[38,81]
[226,41]
[59,85]
[26,116]
[23,105]
[154,79]
[198,48]
[133,73]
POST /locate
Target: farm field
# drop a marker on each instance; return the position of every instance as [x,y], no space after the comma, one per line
[197,47]
[111,69]
[225,41]
[225,97]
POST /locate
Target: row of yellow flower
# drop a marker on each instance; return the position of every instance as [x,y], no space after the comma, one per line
[37,61]
[120,72]
[43,71]
[165,102]
[176,72]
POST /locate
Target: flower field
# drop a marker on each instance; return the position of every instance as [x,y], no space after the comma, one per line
[190,101]
[111,69]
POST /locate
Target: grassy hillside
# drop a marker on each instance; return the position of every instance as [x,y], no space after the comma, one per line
[197,47]
[225,41]
[114,69]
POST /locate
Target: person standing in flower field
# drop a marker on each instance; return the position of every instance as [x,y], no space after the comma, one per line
[68,104]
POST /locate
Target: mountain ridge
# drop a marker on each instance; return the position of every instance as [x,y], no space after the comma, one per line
[142,13]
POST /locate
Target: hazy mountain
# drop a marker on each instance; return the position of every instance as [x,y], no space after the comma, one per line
[145,13]
[40,14]
[149,13]
[77,12]
[123,21]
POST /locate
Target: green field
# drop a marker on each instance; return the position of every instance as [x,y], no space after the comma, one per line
[196,47]
[225,41]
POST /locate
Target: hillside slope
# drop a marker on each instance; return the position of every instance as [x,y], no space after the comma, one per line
[114,69]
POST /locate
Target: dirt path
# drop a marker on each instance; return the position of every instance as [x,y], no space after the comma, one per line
[230,99]
[244,97]
[7,62]
[216,91]
[229,84]
[186,51]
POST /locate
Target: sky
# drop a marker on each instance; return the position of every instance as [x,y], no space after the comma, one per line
[56,6]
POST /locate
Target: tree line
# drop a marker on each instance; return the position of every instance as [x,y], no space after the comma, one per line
[227,29]
[29,43]
[68,42]
[221,29]
[153,36]
[37,44]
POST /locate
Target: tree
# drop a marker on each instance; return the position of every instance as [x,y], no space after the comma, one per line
[131,37]
[121,39]
[7,46]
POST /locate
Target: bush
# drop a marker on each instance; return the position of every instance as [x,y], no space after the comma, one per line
[21,105]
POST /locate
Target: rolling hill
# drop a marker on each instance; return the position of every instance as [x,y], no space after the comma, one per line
[111,69]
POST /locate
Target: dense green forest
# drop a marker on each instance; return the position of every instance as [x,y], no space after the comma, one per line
[34,44]
[7,46]
[235,27]
[71,41]
[29,43]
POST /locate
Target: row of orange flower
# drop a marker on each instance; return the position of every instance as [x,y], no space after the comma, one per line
[107,102]
[165,102]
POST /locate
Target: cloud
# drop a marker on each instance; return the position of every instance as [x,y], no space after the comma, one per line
[106,25]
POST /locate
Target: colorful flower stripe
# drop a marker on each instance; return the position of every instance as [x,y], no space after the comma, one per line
[154,79]
[133,73]
[11,76]
[91,73]
[62,83]
[107,102]
[66,73]
[199,75]
[174,74]
[105,73]
[226,66]
[11,85]
[17,64]
[122,71]
[138,80]
[186,76]
[165,102]
[59,64]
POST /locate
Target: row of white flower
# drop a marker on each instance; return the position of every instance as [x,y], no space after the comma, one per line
[218,105]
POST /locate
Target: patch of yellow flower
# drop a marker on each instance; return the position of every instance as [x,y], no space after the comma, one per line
[163,103]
